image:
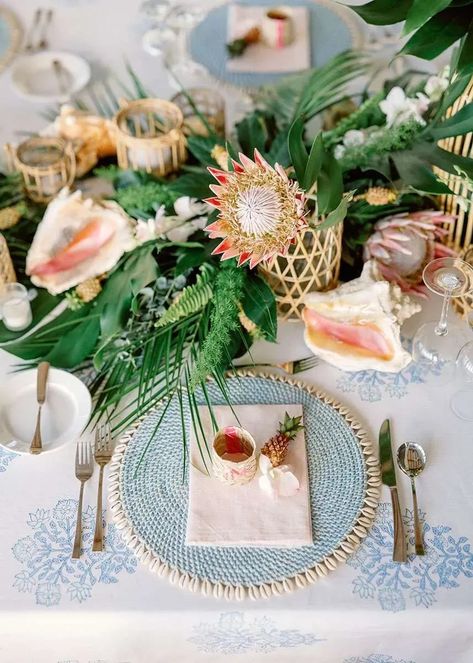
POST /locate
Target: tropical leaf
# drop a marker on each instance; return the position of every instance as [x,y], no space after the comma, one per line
[420,12]
[312,92]
[259,304]
[252,133]
[383,12]
[438,33]
[192,299]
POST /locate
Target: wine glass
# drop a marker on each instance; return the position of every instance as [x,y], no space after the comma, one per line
[438,343]
[462,400]
[182,18]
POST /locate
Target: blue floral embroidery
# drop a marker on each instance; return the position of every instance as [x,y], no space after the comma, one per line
[394,585]
[374,385]
[46,556]
[375,658]
[6,458]
[234,633]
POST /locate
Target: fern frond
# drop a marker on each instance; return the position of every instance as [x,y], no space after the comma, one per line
[192,300]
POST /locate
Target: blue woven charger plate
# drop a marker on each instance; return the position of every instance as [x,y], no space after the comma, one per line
[333,29]
[149,503]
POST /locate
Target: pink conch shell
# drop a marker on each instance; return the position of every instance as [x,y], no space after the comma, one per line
[357,326]
[86,243]
[365,339]
[77,240]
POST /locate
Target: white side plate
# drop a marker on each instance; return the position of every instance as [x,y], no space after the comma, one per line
[63,418]
[34,76]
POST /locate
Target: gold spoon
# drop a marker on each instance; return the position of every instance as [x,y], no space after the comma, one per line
[411,460]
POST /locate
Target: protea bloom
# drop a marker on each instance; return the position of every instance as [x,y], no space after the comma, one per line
[261,210]
[403,244]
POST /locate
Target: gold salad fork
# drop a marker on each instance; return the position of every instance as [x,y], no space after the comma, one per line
[289,367]
[103,452]
[84,470]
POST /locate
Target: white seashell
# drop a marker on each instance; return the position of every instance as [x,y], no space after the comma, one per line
[357,326]
[66,216]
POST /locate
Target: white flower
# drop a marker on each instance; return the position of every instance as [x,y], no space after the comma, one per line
[186,207]
[353,137]
[436,85]
[175,228]
[339,151]
[277,481]
[399,108]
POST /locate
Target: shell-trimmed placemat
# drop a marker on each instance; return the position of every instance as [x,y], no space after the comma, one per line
[149,500]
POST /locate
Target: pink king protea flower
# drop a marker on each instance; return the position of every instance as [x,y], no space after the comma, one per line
[261,210]
[403,244]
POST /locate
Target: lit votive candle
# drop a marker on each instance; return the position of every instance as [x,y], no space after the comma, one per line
[15,307]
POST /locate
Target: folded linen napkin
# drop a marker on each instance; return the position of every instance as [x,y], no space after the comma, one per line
[259,58]
[225,515]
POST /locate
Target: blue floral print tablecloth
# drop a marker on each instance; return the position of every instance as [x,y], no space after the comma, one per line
[107,608]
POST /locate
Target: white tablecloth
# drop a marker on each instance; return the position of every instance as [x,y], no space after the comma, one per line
[107,608]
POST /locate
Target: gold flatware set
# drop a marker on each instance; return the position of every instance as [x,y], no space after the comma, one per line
[411,461]
[85,457]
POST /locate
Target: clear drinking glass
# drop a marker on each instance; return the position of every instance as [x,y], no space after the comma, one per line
[15,309]
[438,343]
[157,40]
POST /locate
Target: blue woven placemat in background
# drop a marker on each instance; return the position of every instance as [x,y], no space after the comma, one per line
[329,35]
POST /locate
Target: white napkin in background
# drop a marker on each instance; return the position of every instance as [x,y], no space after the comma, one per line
[259,58]
[244,515]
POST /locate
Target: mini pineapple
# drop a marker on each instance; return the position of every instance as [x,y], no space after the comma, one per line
[9,217]
[276,448]
[379,195]
[88,290]
[221,156]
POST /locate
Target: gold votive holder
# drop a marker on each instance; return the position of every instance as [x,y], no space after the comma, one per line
[234,456]
[7,271]
[149,136]
[201,102]
[47,164]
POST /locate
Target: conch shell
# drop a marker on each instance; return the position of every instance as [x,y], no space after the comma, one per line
[77,240]
[91,135]
[357,326]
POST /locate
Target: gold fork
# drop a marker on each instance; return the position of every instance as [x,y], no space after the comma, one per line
[290,367]
[102,452]
[84,470]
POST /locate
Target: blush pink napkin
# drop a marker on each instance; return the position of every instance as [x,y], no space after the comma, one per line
[244,515]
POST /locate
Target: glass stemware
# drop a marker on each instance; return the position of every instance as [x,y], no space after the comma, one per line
[182,19]
[158,39]
[438,343]
[462,400]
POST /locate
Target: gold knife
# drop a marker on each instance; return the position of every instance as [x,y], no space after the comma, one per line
[388,474]
[41,379]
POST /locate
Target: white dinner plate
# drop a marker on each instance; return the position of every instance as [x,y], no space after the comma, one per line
[63,417]
[35,77]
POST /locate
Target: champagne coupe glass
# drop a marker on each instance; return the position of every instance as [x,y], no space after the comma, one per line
[182,18]
[462,400]
[438,343]
[158,39]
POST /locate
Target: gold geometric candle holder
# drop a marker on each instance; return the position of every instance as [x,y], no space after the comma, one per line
[311,264]
[198,102]
[149,136]
[47,165]
[460,233]
[7,271]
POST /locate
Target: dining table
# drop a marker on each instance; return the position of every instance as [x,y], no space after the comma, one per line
[107,607]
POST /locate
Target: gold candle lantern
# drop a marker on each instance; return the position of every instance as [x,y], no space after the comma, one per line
[47,165]
[205,102]
[460,233]
[7,271]
[149,136]
[311,264]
